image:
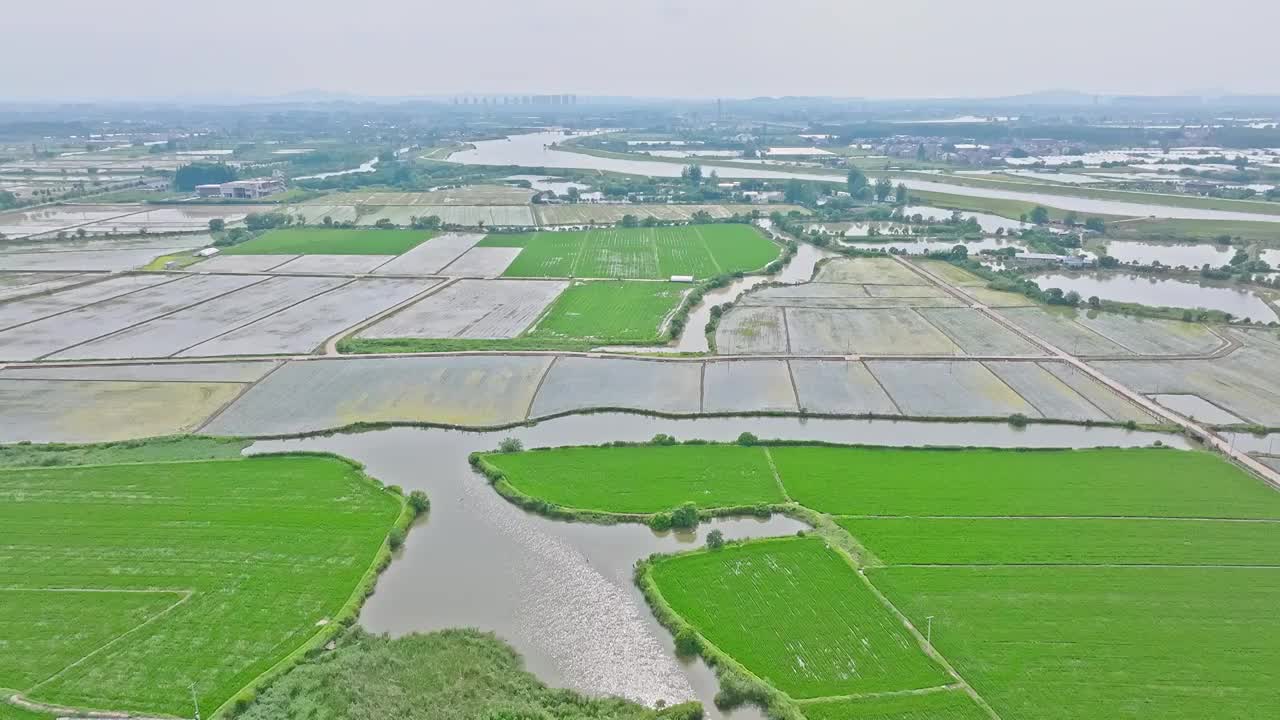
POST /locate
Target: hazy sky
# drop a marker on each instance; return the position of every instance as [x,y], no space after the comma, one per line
[61,49]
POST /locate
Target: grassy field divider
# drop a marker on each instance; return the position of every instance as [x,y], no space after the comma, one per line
[926,646]
[350,610]
[774,469]
[371,425]
[738,685]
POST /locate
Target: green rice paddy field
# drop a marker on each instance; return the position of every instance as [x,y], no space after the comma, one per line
[325,241]
[591,478]
[122,585]
[702,251]
[1067,585]
[940,705]
[795,614]
[615,312]
[1105,482]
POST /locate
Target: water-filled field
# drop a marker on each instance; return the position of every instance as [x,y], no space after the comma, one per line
[472,309]
[51,334]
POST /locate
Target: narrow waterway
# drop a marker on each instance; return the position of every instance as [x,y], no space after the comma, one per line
[561,592]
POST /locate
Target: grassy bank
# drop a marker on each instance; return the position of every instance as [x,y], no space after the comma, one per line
[179,447]
[448,675]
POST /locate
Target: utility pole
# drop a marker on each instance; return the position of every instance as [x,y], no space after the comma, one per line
[927,638]
[195,701]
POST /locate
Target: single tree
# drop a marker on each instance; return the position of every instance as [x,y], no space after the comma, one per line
[884,188]
[855,182]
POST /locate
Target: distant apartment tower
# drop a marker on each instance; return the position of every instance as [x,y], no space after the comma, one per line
[242,189]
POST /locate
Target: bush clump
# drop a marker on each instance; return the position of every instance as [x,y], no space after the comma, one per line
[687,644]
[715,540]
[510,445]
[748,439]
[1018,420]
[662,439]
[395,538]
[419,501]
[660,521]
[685,517]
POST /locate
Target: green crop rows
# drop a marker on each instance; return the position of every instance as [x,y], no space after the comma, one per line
[795,614]
[603,478]
[702,251]
[1067,584]
[322,241]
[617,312]
[1094,642]
[126,584]
[1022,541]
[1106,482]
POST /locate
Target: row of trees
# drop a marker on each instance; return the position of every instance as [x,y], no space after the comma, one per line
[189,176]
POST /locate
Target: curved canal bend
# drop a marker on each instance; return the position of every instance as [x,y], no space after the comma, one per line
[561,593]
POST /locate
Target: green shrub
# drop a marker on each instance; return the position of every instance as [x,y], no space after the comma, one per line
[748,439]
[395,538]
[660,521]
[685,516]
[736,690]
[687,644]
[691,710]
[510,445]
[662,439]
[419,501]
[1018,420]
[715,540]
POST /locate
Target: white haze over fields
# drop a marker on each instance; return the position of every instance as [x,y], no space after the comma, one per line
[71,49]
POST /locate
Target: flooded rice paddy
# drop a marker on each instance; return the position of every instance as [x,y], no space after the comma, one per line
[1166,292]
[562,593]
[1171,254]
